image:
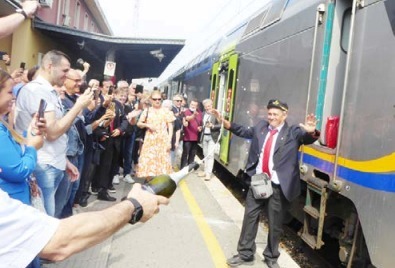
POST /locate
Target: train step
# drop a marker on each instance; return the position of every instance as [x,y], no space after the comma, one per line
[311,240]
[314,212]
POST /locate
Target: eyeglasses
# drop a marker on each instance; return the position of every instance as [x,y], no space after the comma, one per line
[178,100]
[75,80]
[156,99]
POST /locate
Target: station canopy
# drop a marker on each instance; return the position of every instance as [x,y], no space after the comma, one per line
[134,57]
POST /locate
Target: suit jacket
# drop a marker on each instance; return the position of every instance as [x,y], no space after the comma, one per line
[285,156]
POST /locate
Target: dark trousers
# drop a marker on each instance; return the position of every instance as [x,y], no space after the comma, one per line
[277,206]
[88,169]
[127,153]
[189,149]
[108,162]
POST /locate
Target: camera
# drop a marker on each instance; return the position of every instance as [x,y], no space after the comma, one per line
[80,62]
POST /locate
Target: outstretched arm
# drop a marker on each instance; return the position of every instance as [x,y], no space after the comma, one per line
[11,22]
[84,230]
[221,119]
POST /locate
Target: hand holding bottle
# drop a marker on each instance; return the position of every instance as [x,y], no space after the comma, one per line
[166,184]
[148,201]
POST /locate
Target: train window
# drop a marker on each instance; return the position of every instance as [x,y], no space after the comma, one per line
[231,76]
[214,82]
[256,22]
[346,24]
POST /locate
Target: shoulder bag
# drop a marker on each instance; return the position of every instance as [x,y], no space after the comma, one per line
[261,186]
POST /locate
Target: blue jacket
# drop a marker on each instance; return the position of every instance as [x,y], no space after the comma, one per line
[16,164]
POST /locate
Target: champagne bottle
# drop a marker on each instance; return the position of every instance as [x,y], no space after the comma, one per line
[166,184]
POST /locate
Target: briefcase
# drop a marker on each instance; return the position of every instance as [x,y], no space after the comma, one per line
[261,186]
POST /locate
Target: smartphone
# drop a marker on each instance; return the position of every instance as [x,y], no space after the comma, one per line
[22,65]
[139,89]
[96,93]
[2,53]
[41,108]
[110,91]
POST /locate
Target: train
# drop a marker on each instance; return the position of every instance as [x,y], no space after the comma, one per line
[333,58]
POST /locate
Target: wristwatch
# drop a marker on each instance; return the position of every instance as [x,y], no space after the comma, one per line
[138,211]
[22,12]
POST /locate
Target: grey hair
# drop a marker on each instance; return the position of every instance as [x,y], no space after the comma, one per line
[207,101]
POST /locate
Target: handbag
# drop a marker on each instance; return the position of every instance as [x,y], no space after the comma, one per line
[261,186]
[36,194]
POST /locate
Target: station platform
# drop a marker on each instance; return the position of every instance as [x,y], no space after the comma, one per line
[198,229]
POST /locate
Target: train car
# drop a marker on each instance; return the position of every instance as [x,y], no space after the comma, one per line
[335,59]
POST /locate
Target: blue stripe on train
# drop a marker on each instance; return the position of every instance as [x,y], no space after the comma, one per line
[377,181]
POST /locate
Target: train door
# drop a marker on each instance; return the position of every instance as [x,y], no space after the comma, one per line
[326,87]
[223,94]
[328,69]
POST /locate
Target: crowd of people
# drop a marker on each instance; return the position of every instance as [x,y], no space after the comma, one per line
[52,131]
[68,141]
[88,138]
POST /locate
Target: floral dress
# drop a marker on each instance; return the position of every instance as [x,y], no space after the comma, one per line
[154,157]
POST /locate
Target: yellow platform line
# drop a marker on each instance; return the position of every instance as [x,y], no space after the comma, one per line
[212,243]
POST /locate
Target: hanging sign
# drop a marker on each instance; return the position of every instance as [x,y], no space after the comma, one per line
[109,68]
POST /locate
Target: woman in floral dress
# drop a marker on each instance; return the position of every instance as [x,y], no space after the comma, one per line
[158,122]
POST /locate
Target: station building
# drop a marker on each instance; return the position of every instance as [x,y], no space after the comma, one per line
[80,29]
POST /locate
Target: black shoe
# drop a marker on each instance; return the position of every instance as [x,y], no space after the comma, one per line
[271,264]
[84,200]
[94,190]
[111,189]
[236,260]
[103,195]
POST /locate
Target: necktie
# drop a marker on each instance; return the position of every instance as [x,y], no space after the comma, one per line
[266,152]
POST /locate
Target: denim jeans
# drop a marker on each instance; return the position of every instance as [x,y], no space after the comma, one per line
[48,178]
[63,208]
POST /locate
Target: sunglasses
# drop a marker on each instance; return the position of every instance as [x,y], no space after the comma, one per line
[75,80]
[178,100]
[156,99]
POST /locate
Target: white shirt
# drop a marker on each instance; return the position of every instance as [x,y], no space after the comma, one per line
[53,152]
[24,232]
[273,173]
[206,118]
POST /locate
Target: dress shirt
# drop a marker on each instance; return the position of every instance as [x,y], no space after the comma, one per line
[274,177]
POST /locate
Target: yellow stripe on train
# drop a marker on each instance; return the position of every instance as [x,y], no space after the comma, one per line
[383,164]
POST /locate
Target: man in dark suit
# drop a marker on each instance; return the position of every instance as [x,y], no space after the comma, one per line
[280,161]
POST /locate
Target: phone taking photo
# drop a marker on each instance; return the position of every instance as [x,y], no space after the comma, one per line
[96,93]
[22,65]
[111,89]
[2,53]
[41,108]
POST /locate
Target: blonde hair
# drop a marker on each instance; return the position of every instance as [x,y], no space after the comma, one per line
[15,135]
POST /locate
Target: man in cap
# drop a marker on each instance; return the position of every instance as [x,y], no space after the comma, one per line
[274,151]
